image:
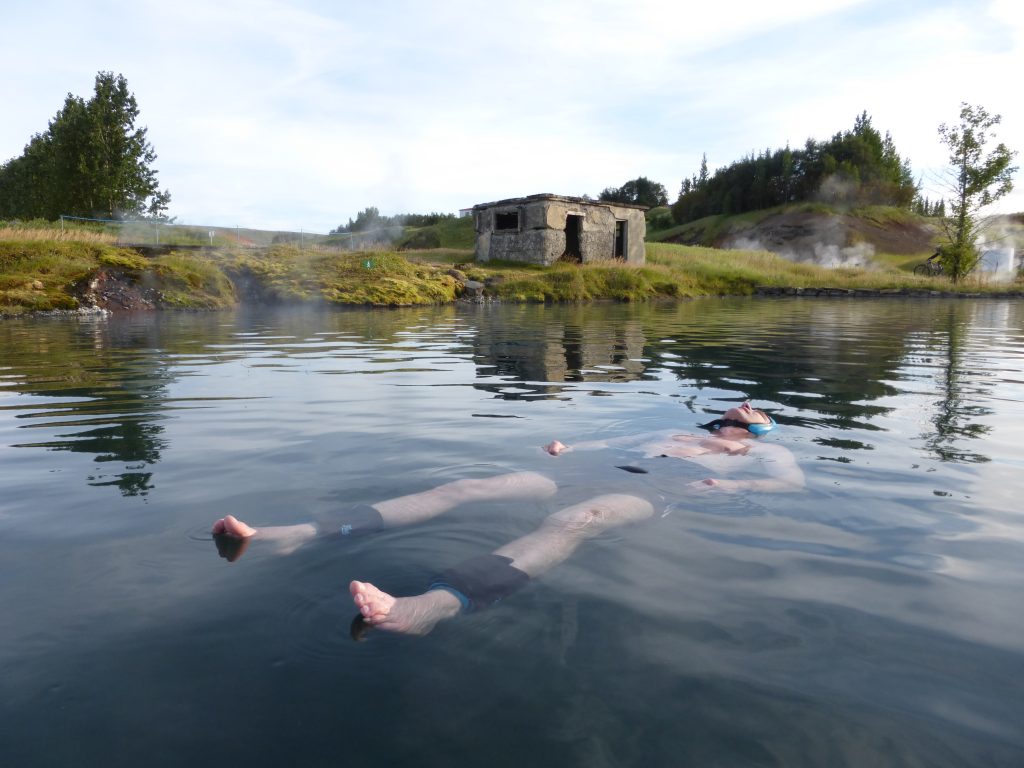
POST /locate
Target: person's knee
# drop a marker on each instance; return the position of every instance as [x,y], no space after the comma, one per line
[603,511]
[514,485]
[625,508]
[538,484]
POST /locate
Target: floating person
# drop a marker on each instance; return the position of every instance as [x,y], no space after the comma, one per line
[731,447]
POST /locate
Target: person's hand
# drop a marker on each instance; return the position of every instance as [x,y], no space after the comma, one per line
[556,448]
[714,484]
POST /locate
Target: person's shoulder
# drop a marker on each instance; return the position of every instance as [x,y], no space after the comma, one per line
[761,446]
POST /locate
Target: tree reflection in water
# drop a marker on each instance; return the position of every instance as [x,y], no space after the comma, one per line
[956,410]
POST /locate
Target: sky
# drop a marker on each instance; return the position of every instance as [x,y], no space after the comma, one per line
[298,114]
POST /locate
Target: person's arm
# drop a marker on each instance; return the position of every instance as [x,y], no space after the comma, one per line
[557,448]
[784,473]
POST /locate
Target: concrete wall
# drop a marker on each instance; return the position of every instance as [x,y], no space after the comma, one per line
[541,237]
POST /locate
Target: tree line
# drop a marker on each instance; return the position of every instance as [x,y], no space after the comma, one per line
[854,167]
[370,219]
[639,191]
[859,166]
[91,161]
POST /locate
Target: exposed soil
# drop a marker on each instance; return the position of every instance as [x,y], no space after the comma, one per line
[113,289]
[895,237]
[836,239]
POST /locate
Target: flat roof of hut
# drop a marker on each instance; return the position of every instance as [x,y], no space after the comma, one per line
[543,229]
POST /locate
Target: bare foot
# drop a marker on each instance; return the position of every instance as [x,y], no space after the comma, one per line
[410,615]
[232,537]
[232,526]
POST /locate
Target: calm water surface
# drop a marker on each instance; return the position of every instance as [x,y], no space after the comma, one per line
[874,619]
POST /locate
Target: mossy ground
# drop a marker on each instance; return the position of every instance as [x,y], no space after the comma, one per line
[43,275]
[39,274]
[287,274]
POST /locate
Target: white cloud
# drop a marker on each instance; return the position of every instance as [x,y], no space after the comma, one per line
[299,114]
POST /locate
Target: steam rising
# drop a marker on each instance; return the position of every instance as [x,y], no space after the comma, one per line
[999,244]
[807,239]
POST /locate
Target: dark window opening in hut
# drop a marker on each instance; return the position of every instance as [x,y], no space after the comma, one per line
[620,240]
[573,228]
[506,221]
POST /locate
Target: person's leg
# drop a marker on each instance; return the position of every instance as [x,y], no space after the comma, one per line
[418,507]
[405,510]
[232,536]
[509,567]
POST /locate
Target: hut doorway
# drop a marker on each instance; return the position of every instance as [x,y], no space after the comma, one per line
[573,229]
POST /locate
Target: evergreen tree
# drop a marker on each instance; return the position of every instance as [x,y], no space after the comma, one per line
[638,191]
[92,161]
[854,167]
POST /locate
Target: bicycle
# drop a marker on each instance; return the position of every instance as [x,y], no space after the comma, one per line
[930,268]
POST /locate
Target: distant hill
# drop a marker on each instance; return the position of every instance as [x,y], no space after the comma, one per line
[448,233]
[814,233]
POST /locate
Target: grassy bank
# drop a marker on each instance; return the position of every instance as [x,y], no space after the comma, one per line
[288,274]
[46,274]
[678,271]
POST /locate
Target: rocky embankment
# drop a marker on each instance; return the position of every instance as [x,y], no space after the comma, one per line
[917,293]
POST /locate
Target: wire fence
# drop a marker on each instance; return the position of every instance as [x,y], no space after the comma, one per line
[151,233]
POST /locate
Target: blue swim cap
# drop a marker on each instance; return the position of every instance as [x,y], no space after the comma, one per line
[754,429]
[762,429]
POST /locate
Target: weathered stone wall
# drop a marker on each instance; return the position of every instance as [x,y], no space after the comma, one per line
[533,246]
[541,238]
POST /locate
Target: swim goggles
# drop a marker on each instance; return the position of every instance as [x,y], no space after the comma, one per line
[754,429]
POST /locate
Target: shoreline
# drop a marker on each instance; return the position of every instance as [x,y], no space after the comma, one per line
[760,292]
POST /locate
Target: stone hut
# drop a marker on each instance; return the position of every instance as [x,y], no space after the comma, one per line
[543,229]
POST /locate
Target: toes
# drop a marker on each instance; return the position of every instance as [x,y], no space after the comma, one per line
[235,527]
[359,591]
[219,526]
[373,605]
[374,613]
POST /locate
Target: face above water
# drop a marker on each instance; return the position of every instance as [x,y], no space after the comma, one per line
[747,414]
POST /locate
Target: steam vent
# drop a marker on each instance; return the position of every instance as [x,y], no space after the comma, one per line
[543,229]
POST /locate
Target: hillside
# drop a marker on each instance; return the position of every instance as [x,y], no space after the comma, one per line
[814,233]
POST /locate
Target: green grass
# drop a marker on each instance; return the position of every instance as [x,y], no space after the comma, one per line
[707,230]
[711,271]
[884,215]
[40,275]
[186,281]
[36,275]
[900,262]
[457,233]
[39,229]
[43,275]
[375,278]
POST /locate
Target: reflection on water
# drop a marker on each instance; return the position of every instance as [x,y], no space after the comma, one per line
[873,619]
[963,385]
[94,382]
